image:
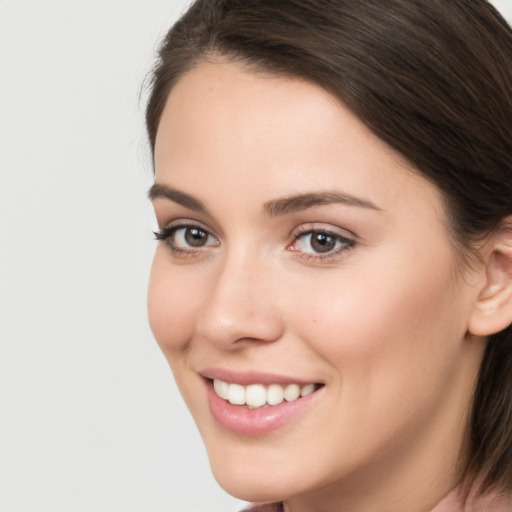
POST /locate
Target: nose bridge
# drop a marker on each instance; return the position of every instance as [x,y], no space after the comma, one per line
[241,304]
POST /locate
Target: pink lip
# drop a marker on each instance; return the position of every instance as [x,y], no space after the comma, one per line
[256,422]
[247,378]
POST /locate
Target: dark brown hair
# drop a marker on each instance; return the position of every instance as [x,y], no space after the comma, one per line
[433,79]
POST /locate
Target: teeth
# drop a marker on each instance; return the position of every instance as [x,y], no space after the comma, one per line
[275,394]
[257,395]
[307,390]
[291,392]
[221,388]
[236,394]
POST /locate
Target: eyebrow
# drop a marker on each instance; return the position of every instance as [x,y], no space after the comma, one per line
[274,208]
[299,202]
[186,200]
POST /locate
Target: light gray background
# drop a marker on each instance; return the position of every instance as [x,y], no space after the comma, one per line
[90,420]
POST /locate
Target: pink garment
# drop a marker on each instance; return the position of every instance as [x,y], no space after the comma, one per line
[265,507]
[492,502]
[452,502]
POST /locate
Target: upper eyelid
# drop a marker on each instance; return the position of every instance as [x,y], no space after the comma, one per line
[169,218]
[183,222]
[311,227]
[309,231]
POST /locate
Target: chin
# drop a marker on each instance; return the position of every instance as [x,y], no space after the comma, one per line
[248,488]
[246,482]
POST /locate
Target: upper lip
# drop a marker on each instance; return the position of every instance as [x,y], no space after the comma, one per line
[252,377]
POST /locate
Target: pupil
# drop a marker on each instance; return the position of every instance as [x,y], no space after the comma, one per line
[322,242]
[195,237]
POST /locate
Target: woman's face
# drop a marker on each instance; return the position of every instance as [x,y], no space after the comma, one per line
[299,253]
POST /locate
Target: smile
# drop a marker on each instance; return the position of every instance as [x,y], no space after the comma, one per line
[255,404]
[260,395]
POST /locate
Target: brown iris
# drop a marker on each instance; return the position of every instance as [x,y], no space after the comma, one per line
[196,237]
[322,242]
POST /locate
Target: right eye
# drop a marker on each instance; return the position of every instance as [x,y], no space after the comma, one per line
[188,238]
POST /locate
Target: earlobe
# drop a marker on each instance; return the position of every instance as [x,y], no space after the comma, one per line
[493,310]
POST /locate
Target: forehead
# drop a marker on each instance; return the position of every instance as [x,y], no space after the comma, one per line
[265,135]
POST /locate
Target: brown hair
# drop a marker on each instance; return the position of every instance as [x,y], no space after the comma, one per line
[433,79]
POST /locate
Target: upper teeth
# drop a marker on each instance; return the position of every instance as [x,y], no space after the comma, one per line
[257,395]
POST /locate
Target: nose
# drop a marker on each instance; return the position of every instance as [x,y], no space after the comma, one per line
[241,306]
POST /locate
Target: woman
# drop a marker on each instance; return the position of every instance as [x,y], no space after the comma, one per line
[333,286]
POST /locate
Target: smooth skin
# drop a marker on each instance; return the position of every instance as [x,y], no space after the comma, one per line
[380,313]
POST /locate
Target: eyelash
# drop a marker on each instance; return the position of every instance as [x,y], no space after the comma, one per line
[167,233]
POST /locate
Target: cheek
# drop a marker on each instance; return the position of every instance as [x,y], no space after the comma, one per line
[392,347]
[383,328]
[172,304]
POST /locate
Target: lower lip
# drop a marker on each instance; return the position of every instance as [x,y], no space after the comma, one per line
[255,422]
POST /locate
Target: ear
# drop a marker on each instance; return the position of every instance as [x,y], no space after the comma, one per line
[493,310]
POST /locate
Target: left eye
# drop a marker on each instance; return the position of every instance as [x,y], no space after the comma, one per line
[186,238]
[320,242]
[191,237]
